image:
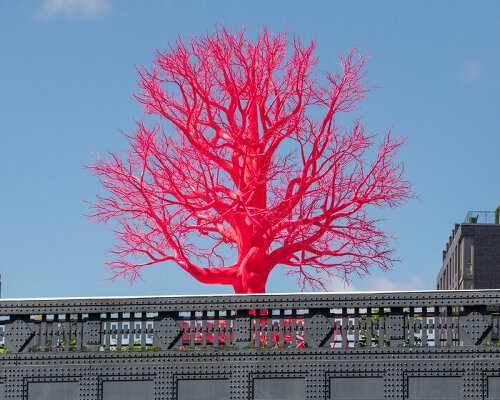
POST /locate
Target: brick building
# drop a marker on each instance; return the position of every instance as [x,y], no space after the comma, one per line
[471,259]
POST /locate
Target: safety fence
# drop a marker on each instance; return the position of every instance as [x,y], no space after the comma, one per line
[415,345]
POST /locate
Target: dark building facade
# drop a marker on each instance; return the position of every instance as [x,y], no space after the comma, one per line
[471,259]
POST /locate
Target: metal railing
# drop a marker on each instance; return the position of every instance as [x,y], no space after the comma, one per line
[400,345]
[322,320]
[480,217]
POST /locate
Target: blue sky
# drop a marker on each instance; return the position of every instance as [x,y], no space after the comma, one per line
[67,78]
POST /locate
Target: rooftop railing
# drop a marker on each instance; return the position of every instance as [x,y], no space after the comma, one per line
[226,322]
[480,217]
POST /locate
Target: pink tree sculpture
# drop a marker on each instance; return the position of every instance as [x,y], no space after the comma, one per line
[246,152]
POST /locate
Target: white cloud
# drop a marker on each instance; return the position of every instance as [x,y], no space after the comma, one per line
[379,284]
[471,71]
[339,285]
[74,8]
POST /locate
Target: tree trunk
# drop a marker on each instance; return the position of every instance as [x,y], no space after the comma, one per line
[253,272]
[249,276]
[255,286]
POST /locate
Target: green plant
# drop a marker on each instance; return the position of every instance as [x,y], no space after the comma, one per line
[417,341]
[72,346]
[137,347]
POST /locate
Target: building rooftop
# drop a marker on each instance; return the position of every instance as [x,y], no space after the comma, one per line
[471,259]
[481,217]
